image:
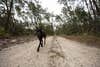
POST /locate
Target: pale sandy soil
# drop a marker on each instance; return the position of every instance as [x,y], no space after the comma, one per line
[58,52]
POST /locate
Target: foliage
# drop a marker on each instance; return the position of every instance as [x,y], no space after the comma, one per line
[25,11]
[47,27]
[80,19]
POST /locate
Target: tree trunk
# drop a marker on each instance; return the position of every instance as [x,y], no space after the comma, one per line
[92,9]
[96,6]
[8,22]
[90,17]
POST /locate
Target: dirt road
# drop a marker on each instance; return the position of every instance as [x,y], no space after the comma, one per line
[58,52]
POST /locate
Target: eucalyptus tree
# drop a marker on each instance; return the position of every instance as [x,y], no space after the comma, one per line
[86,19]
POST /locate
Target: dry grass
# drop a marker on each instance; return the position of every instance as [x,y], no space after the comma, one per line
[89,40]
[12,41]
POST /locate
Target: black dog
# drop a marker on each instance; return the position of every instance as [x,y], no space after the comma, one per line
[41,35]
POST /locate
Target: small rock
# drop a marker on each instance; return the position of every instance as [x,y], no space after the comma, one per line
[14,40]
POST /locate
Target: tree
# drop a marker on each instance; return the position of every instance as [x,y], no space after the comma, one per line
[85,21]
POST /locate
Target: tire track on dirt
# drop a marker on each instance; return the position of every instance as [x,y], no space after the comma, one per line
[56,55]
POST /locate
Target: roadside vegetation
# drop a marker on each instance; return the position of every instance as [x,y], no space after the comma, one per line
[20,17]
[84,19]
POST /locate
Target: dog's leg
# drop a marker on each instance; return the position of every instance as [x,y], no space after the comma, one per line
[38,47]
[42,43]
